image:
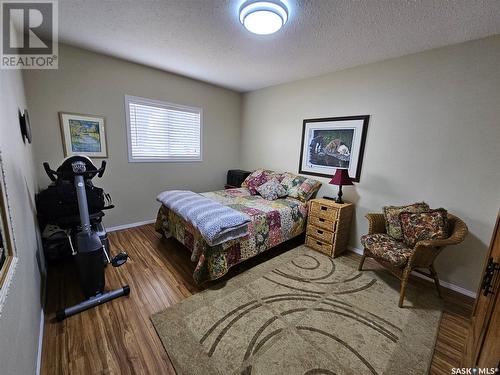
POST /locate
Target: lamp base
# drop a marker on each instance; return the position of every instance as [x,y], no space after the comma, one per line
[339,196]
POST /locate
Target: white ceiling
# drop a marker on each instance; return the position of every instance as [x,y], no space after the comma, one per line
[203,39]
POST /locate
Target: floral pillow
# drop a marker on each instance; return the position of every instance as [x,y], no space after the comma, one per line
[308,189]
[299,187]
[253,183]
[259,177]
[392,223]
[251,176]
[430,225]
[272,190]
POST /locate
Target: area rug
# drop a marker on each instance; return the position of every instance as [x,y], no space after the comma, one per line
[303,313]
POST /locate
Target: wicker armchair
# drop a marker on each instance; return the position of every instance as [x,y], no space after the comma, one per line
[421,256]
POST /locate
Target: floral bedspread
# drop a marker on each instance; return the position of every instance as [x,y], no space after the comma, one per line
[273,222]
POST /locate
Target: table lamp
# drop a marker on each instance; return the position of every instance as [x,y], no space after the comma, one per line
[341,178]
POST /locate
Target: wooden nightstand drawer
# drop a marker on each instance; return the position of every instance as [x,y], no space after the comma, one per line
[322,223]
[324,211]
[318,245]
[320,234]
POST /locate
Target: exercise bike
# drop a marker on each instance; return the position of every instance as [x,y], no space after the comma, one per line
[91,254]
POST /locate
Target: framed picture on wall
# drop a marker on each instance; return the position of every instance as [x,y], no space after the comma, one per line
[332,143]
[8,258]
[83,135]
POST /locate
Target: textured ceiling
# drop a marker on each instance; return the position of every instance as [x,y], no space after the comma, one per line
[203,39]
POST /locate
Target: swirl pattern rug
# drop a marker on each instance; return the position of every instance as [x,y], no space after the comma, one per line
[303,313]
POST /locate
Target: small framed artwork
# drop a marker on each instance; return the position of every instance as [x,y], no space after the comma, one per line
[332,143]
[24,122]
[83,135]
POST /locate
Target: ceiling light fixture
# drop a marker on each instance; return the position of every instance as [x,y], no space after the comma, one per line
[263,17]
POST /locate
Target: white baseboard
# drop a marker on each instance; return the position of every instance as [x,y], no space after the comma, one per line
[131,225]
[444,284]
[40,344]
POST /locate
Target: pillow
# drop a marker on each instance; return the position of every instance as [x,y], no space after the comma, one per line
[299,187]
[308,189]
[253,183]
[429,225]
[391,214]
[272,190]
[251,176]
[258,177]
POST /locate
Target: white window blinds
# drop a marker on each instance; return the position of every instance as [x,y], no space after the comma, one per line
[159,131]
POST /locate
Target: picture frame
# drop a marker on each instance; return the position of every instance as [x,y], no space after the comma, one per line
[331,143]
[24,123]
[83,135]
[8,256]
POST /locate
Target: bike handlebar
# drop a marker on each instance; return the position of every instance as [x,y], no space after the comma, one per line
[102,169]
[53,175]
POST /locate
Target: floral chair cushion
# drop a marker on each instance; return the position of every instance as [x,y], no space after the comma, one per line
[272,190]
[430,225]
[300,187]
[387,248]
[391,214]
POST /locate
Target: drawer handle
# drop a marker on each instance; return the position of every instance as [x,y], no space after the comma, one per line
[318,243]
[320,231]
[321,220]
[324,208]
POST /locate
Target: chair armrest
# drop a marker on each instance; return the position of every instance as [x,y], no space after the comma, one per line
[436,243]
[460,231]
[376,223]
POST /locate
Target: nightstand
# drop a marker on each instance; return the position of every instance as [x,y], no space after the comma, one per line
[328,225]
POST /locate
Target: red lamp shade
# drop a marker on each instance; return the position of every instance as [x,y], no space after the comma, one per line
[341,178]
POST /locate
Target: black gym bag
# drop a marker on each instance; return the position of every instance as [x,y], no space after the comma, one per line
[59,200]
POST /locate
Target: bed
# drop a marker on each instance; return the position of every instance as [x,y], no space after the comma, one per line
[272,222]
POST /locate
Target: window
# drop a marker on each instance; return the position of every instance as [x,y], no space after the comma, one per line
[162,132]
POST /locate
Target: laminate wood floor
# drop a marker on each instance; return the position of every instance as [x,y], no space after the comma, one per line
[118,337]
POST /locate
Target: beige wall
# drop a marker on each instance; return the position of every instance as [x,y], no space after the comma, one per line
[20,318]
[95,84]
[434,135]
